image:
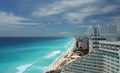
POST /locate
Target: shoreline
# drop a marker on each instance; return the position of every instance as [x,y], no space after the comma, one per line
[58,61]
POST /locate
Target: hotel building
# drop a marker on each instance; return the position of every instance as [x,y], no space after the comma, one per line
[103,57]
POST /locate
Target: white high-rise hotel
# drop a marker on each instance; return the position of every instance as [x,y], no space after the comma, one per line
[104,57]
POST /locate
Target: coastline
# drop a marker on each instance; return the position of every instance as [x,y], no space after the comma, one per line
[61,58]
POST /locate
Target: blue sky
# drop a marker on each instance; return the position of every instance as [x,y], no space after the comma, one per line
[56,17]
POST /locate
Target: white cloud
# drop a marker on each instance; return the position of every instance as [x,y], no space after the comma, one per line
[59,7]
[80,15]
[75,17]
[9,20]
[48,11]
[108,9]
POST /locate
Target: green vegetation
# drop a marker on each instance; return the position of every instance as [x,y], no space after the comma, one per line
[81,51]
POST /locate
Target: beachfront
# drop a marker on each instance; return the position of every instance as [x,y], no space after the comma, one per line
[56,64]
[71,55]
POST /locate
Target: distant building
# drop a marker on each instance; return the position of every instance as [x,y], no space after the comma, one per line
[108,30]
[95,38]
[82,43]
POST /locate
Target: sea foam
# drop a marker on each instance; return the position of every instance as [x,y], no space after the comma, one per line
[54,53]
[22,68]
[41,68]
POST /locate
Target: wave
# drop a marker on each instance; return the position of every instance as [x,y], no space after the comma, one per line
[67,44]
[42,68]
[22,68]
[54,53]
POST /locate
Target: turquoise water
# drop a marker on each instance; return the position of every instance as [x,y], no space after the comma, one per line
[30,55]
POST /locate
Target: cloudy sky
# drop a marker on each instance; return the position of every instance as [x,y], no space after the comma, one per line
[56,17]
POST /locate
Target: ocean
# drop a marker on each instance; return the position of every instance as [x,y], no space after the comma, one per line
[31,54]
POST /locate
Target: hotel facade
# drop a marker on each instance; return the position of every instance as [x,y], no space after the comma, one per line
[103,56]
[105,59]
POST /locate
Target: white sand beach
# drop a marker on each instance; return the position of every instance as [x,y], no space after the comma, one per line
[62,58]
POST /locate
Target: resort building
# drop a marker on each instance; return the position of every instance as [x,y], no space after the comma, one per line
[111,56]
[95,38]
[82,43]
[105,59]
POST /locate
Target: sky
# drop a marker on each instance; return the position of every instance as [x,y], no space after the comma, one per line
[56,17]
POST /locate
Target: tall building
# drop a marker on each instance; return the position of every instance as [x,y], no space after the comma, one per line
[103,57]
[106,59]
[111,32]
[94,38]
[111,56]
[108,30]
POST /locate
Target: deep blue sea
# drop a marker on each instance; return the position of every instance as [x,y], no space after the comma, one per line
[30,54]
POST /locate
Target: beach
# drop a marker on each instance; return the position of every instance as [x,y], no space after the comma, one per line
[55,65]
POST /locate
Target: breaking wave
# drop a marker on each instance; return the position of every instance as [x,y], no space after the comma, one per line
[24,67]
[54,53]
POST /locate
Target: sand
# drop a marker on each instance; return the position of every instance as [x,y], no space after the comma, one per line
[62,58]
